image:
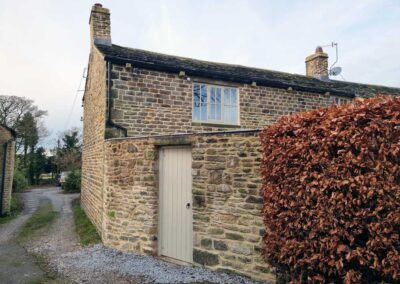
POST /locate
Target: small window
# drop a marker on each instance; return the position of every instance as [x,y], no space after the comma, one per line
[215,104]
[339,100]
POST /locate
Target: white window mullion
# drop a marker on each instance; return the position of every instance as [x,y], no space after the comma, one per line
[225,111]
[208,102]
[222,103]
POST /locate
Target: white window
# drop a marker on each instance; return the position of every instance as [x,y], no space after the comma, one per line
[215,104]
[339,100]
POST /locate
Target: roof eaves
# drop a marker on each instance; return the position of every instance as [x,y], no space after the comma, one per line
[232,78]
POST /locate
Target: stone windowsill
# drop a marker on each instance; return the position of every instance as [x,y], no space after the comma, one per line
[219,125]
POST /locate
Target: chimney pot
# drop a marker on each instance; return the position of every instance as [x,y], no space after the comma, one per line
[317,64]
[319,49]
[98,5]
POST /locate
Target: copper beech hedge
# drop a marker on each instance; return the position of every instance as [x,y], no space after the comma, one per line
[332,193]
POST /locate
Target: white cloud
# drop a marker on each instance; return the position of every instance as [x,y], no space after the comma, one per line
[44,45]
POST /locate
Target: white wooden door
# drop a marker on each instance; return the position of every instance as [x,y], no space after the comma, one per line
[176,220]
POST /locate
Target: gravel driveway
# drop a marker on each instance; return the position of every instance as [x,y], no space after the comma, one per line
[98,264]
[16,265]
[92,264]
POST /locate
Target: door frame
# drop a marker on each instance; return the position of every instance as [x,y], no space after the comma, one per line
[159,235]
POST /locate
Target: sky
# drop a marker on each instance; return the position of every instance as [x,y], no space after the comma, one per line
[44,45]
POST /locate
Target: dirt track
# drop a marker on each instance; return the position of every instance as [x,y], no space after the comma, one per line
[16,265]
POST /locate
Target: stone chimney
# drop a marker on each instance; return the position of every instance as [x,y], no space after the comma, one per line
[100,28]
[317,64]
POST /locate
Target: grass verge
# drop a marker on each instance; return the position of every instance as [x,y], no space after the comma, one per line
[15,209]
[36,226]
[50,277]
[40,220]
[83,226]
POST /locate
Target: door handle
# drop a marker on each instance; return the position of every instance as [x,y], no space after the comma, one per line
[188,205]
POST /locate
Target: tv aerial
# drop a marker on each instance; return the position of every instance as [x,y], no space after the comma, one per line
[334,70]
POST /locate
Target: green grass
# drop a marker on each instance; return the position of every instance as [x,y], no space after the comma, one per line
[50,276]
[83,227]
[40,220]
[35,227]
[16,208]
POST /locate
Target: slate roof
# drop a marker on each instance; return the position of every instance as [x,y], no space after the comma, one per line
[237,73]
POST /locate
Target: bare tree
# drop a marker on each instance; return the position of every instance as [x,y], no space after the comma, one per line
[14,109]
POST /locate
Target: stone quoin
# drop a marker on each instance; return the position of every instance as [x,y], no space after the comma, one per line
[7,159]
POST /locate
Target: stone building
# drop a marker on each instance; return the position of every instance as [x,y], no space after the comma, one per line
[7,156]
[171,153]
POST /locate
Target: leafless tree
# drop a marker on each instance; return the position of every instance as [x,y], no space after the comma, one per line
[13,108]
[12,111]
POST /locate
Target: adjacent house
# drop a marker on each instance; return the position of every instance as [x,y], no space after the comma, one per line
[7,156]
[171,153]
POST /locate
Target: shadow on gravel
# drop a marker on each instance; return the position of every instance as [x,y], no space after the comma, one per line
[16,266]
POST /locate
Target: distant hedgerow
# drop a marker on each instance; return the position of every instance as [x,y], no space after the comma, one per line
[73,182]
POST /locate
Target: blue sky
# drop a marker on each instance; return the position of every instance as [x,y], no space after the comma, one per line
[44,45]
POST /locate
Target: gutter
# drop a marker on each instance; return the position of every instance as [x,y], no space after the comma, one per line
[110,122]
[3,174]
[221,132]
[234,78]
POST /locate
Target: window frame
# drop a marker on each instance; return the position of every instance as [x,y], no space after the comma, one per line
[338,100]
[214,121]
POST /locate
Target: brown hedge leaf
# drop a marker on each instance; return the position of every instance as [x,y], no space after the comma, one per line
[332,193]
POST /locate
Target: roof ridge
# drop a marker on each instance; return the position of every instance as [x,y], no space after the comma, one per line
[239,73]
[214,62]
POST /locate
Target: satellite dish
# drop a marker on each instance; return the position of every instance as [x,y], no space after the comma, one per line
[335,71]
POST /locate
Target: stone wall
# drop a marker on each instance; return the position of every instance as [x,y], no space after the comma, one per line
[5,136]
[93,139]
[154,103]
[130,195]
[227,204]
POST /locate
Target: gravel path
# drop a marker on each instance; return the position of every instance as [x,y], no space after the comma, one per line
[61,237]
[31,201]
[98,264]
[16,265]
[91,264]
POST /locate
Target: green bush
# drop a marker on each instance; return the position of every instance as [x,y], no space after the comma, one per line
[50,181]
[20,182]
[73,182]
[16,208]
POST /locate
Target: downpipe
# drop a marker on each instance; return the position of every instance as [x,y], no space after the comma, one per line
[110,122]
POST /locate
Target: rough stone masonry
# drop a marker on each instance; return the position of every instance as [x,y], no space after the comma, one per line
[7,157]
[227,225]
[138,101]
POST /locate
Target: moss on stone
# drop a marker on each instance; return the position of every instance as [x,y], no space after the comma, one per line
[111,214]
[205,258]
[215,231]
[206,243]
[149,155]
[233,236]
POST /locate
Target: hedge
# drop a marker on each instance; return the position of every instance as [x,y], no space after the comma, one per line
[20,183]
[332,193]
[73,182]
